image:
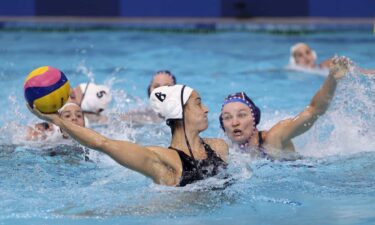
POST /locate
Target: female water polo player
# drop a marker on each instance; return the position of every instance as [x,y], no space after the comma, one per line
[146,115]
[189,157]
[301,55]
[239,118]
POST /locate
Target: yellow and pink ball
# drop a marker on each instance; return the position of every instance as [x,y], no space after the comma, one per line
[47,88]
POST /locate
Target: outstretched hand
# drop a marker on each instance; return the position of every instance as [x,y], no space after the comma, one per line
[44,116]
[340,66]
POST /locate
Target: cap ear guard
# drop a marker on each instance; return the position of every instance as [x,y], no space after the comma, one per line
[292,61]
[166,100]
[314,54]
[221,122]
[256,112]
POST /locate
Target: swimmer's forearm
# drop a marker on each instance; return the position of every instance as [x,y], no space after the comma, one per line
[84,136]
[304,121]
[323,97]
[130,155]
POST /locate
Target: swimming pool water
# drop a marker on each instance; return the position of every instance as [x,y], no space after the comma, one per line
[332,184]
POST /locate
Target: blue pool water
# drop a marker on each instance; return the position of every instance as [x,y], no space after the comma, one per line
[333,183]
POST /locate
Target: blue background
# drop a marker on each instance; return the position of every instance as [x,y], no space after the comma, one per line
[191,8]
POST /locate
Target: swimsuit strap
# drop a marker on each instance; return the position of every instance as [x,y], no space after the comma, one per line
[170,147]
[184,127]
[185,156]
[209,151]
[207,148]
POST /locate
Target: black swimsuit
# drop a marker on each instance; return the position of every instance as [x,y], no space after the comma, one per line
[194,170]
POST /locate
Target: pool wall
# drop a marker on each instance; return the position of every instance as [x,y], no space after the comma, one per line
[191,8]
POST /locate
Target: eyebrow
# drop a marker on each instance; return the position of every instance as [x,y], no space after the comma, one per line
[198,99]
[241,110]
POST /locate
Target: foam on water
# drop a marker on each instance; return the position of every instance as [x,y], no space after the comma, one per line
[314,71]
[347,127]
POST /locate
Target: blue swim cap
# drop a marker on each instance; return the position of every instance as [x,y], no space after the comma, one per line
[243,98]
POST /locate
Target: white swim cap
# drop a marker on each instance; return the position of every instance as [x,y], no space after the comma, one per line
[66,105]
[96,97]
[166,100]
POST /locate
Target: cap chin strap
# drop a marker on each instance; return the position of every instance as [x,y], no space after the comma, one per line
[183,125]
[84,93]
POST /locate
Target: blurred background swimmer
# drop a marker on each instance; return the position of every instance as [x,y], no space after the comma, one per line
[69,112]
[303,57]
[240,116]
[93,99]
[146,115]
[56,138]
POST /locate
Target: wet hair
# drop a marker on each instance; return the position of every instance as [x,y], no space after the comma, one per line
[157,73]
[45,125]
[173,123]
[243,98]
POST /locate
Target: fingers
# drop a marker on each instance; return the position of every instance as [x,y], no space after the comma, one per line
[39,114]
[29,107]
[342,61]
[341,65]
[33,110]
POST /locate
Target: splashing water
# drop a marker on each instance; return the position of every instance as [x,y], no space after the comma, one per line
[347,127]
[61,182]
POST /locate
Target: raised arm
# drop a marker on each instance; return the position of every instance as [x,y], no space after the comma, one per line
[130,155]
[290,128]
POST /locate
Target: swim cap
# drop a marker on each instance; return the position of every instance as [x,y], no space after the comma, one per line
[292,61]
[166,100]
[95,97]
[66,105]
[243,98]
